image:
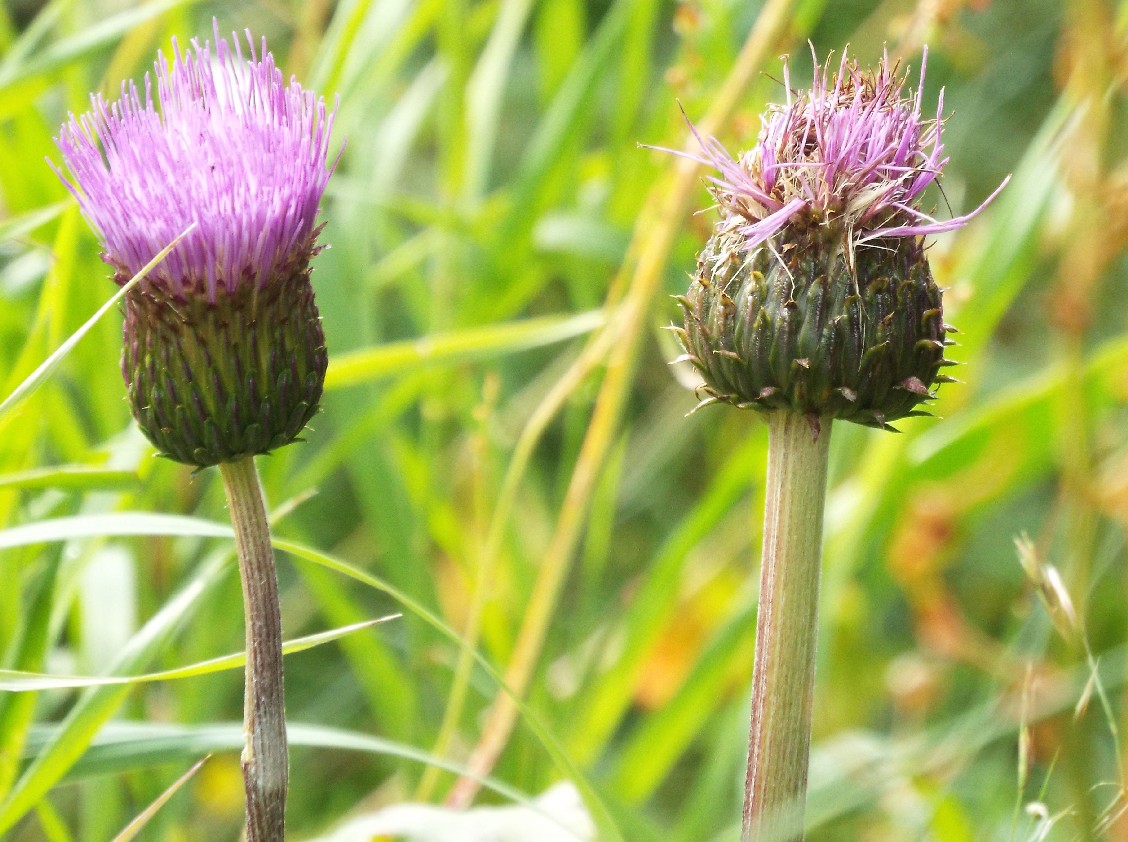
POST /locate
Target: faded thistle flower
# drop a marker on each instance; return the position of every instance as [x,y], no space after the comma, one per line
[224,352]
[814,293]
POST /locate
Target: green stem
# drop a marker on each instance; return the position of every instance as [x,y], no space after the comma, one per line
[265,769]
[786,629]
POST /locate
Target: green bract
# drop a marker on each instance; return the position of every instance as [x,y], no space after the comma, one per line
[211,382]
[795,327]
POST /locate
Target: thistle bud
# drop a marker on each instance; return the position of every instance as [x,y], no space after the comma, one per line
[814,292]
[224,354]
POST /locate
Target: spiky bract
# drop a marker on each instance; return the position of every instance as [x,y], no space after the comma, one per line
[210,383]
[803,332]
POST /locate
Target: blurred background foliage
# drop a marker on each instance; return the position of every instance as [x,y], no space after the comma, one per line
[504,455]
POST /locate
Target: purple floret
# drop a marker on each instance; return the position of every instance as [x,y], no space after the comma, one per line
[227,145]
[852,151]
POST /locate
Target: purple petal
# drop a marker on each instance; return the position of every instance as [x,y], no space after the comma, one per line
[225,143]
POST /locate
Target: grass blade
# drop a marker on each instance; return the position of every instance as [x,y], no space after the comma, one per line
[138,824]
[458,346]
[15,681]
[32,381]
[98,704]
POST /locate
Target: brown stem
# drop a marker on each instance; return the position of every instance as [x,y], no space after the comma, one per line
[265,767]
[786,629]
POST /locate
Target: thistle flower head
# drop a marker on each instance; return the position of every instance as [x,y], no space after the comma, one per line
[814,294]
[224,353]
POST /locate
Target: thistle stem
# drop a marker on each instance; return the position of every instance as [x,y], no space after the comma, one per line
[264,758]
[786,628]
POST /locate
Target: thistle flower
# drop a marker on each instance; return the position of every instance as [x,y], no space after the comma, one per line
[224,352]
[813,300]
[814,293]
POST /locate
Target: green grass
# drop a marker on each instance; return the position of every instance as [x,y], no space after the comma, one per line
[499,410]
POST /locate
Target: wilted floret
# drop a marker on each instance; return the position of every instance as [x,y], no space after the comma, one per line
[852,151]
[224,352]
[814,293]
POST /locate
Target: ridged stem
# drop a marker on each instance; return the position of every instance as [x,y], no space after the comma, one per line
[264,758]
[786,628]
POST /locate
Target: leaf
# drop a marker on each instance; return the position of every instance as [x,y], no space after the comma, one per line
[138,824]
[123,746]
[28,57]
[26,223]
[71,737]
[16,681]
[85,719]
[117,524]
[459,346]
[71,478]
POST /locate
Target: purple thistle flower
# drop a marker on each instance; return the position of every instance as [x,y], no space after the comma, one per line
[227,145]
[224,353]
[814,294]
[852,151]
